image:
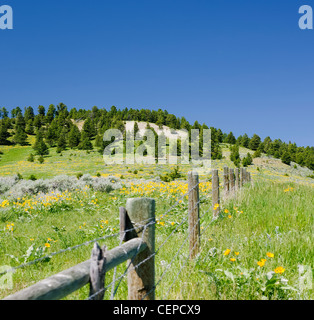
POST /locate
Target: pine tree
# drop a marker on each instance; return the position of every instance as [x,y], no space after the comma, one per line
[4,134]
[247,161]
[52,133]
[245,141]
[235,155]
[230,138]
[50,113]
[41,159]
[31,158]
[98,141]
[89,128]
[41,111]
[29,129]
[40,146]
[85,143]
[20,121]
[29,114]
[254,142]
[62,143]
[20,136]
[286,158]
[74,137]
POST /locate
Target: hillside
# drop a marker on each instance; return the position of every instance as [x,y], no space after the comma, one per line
[74,161]
[52,212]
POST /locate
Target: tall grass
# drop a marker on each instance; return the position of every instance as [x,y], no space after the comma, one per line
[266,218]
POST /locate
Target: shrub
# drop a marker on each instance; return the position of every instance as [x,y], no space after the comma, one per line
[32,177]
[247,161]
[31,158]
[174,174]
[6,183]
[79,175]
[15,188]
[41,159]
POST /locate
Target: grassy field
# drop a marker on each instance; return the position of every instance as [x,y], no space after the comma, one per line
[253,251]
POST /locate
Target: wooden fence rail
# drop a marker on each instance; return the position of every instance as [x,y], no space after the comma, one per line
[138,249]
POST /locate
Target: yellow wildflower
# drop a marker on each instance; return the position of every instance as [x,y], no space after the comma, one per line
[280,270]
[227,252]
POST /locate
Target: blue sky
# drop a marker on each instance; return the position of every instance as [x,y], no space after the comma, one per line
[242,66]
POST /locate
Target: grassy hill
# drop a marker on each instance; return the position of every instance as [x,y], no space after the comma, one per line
[265,227]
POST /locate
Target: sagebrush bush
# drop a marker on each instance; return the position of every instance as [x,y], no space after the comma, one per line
[6,183]
[13,187]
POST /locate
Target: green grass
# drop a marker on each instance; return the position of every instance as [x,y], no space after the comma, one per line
[274,218]
[266,219]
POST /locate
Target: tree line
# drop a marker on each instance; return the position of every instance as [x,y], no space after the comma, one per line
[55,127]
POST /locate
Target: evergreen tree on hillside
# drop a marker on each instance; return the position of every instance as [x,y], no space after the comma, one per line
[52,133]
[3,113]
[29,114]
[85,143]
[15,112]
[230,138]
[20,122]
[160,120]
[286,158]
[4,134]
[62,142]
[50,113]
[29,129]
[20,137]
[248,160]
[89,128]
[255,142]
[136,129]
[74,137]
[38,121]
[41,111]
[245,141]
[40,146]
[235,155]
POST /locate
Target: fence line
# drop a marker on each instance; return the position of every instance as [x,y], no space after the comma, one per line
[137,230]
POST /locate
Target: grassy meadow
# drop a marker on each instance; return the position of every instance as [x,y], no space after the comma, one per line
[254,250]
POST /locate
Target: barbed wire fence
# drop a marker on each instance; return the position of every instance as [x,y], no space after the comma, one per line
[134,236]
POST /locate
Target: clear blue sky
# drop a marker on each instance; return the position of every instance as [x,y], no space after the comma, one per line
[242,66]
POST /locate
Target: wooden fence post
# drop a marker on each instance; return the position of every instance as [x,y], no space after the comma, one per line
[141,280]
[226,181]
[231,179]
[244,175]
[215,193]
[241,177]
[193,207]
[237,174]
[249,177]
[97,273]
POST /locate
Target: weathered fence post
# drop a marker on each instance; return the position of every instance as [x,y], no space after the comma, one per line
[231,179]
[193,207]
[244,176]
[97,273]
[248,177]
[141,279]
[215,193]
[126,229]
[226,181]
[241,177]
[237,175]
